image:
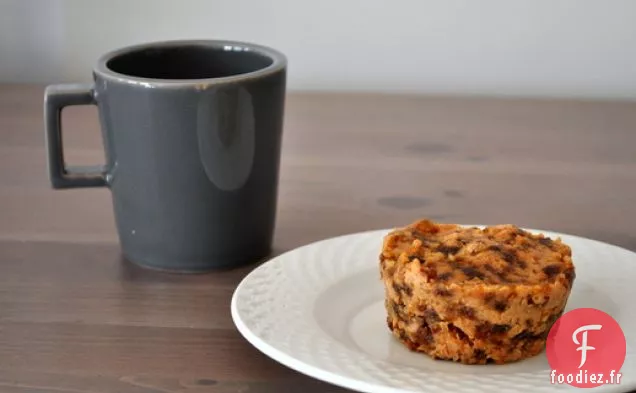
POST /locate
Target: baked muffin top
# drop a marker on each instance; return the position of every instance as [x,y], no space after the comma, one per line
[499,254]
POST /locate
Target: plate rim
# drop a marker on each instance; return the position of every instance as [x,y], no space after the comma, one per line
[336,379]
[306,369]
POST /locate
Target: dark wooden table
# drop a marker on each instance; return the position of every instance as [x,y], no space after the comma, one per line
[75,317]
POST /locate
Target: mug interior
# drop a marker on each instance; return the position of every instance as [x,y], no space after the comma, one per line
[187,62]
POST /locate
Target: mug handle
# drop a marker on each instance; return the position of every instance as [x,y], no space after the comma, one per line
[56,98]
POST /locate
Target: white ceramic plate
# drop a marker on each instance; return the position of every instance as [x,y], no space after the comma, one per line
[319,310]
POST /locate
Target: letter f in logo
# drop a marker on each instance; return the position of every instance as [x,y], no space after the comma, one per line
[584,347]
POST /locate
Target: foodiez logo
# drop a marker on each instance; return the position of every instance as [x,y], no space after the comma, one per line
[572,357]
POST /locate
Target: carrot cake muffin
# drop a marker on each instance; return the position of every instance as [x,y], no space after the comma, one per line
[474,295]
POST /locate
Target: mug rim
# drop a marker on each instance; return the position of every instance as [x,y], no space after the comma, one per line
[279,62]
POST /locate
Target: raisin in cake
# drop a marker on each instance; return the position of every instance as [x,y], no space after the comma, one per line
[474,295]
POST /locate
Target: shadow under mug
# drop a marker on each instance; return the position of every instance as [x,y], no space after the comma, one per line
[192,133]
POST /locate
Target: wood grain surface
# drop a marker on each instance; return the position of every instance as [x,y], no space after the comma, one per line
[76,317]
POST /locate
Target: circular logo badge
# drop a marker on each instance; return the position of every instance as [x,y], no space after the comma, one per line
[586,348]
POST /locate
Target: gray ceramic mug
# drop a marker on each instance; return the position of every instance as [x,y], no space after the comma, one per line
[192,134]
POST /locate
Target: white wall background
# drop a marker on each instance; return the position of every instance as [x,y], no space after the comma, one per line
[579,48]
